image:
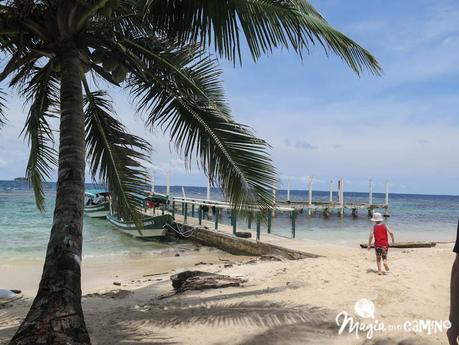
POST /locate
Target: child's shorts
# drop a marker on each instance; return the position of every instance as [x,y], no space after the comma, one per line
[381,252]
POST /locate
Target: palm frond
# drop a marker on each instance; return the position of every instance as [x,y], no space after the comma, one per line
[265,24]
[115,156]
[185,98]
[41,92]
[2,108]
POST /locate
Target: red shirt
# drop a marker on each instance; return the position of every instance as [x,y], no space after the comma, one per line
[380,234]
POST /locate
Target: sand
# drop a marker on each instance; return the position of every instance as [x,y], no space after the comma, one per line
[286,302]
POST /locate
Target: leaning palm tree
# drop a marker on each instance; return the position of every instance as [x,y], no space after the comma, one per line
[61,54]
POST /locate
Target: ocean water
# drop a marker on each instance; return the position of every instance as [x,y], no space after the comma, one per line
[24,231]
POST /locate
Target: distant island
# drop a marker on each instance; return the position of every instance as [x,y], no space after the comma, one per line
[20,179]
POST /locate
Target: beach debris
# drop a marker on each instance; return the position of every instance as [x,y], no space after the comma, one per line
[251,261]
[202,263]
[243,234]
[295,285]
[223,259]
[117,283]
[177,254]
[154,274]
[415,244]
[271,257]
[8,296]
[199,280]
[111,294]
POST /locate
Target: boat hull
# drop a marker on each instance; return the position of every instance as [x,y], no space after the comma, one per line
[97,211]
[152,226]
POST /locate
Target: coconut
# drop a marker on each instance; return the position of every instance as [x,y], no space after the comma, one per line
[119,74]
[114,3]
[85,68]
[110,63]
[56,67]
[97,56]
[106,11]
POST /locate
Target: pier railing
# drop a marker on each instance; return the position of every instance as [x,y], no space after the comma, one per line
[200,208]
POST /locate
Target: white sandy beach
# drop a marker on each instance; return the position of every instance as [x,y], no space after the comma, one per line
[289,302]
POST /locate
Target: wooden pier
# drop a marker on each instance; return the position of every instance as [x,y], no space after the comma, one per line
[204,209]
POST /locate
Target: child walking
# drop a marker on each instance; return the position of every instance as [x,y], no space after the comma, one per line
[380,233]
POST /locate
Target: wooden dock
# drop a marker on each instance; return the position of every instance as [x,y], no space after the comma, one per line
[201,209]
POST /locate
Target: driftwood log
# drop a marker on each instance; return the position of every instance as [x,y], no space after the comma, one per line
[419,244]
[199,280]
[243,234]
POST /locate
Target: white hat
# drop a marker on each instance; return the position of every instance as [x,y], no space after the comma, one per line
[377,217]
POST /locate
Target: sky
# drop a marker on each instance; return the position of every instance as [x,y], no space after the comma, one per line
[321,119]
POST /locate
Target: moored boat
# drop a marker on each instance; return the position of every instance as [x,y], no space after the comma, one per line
[153,226]
[97,204]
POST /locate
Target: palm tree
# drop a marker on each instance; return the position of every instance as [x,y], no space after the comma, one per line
[58,52]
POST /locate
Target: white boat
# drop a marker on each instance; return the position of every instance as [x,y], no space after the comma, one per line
[152,226]
[97,204]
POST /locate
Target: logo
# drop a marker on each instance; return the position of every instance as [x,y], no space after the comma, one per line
[365,309]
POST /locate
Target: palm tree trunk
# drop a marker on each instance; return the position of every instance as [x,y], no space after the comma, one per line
[56,316]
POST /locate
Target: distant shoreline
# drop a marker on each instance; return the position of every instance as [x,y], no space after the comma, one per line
[283,191]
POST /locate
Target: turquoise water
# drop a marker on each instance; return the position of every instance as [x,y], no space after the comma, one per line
[24,231]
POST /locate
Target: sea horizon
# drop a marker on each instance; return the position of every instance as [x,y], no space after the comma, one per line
[161,186]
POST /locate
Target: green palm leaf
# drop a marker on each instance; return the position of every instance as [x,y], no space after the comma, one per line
[41,91]
[2,109]
[115,156]
[265,24]
[185,98]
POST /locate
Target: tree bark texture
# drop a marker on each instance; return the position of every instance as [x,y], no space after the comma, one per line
[56,315]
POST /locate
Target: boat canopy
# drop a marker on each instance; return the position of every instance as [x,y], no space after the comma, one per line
[160,198]
[148,196]
[92,193]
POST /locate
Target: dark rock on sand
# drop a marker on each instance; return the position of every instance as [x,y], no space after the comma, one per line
[199,280]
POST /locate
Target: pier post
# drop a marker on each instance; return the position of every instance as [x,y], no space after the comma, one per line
[233,221]
[310,194]
[163,206]
[258,226]
[370,192]
[192,210]
[341,197]
[200,215]
[331,191]
[249,221]
[216,218]
[288,189]
[168,183]
[185,212]
[293,217]
[355,213]
[269,221]
[386,203]
[173,208]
